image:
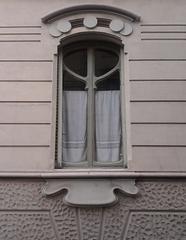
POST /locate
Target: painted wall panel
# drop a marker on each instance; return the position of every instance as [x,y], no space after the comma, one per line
[25,91]
[157,50]
[24,135]
[23,70]
[26,81]
[23,158]
[158,90]
[159,158]
[25,51]
[25,112]
[165,112]
[26,74]
[147,70]
[158,134]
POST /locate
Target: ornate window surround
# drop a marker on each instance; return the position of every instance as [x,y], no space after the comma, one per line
[98,22]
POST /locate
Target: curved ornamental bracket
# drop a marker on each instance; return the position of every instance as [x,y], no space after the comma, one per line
[90,192]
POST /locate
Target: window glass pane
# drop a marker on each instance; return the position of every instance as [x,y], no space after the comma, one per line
[77,61]
[111,83]
[70,83]
[104,61]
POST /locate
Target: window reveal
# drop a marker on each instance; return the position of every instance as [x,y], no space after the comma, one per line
[91,123]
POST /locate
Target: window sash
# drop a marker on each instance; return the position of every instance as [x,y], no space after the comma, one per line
[91,80]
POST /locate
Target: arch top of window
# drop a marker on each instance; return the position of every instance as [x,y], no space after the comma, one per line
[86,37]
[103,41]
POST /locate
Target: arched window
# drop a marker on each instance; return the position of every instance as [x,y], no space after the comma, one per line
[91,104]
[90,44]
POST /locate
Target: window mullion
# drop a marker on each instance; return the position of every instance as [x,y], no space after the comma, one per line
[91,109]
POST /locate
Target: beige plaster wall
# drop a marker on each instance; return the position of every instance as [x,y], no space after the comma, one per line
[157,73]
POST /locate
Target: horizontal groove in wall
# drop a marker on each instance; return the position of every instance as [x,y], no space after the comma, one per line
[168,31]
[19,34]
[26,60]
[157,80]
[159,123]
[164,146]
[157,211]
[166,39]
[30,146]
[21,26]
[8,41]
[158,100]
[163,24]
[25,102]
[157,60]
[23,211]
[163,35]
[42,81]
[25,123]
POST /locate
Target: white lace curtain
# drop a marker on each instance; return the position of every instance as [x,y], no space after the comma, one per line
[107,122]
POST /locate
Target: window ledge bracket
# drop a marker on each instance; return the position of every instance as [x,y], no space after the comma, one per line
[90,192]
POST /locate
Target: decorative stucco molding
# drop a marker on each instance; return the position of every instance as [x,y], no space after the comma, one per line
[90,8]
[89,18]
[90,22]
[90,192]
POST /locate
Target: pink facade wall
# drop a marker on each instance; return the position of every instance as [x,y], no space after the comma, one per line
[156,112]
[157,90]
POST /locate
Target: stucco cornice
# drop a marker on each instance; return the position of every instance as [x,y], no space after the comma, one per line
[89,8]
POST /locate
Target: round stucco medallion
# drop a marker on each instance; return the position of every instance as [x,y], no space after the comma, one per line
[54,32]
[64,26]
[117,25]
[90,22]
[127,30]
